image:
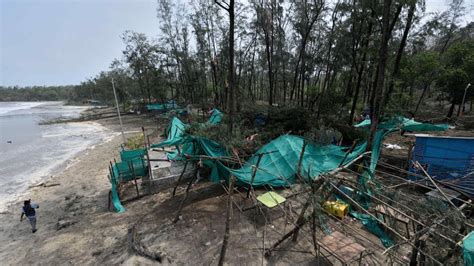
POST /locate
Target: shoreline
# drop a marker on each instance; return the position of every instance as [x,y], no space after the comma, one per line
[43,174]
[45,180]
[73,219]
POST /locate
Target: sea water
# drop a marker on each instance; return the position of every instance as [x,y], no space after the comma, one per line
[31,152]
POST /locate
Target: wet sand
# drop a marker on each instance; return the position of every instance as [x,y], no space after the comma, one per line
[74,224]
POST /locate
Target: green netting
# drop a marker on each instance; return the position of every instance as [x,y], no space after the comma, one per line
[279,165]
[468,249]
[132,166]
[216,117]
[127,155]
[162,106]
[116,199]
[403,123]
[384,128]
[372,225]
[174,132]
[127,170]
[176,129]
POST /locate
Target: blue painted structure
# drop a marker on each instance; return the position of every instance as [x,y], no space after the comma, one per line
[448,159]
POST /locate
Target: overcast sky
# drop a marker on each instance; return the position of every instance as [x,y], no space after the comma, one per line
[59,42]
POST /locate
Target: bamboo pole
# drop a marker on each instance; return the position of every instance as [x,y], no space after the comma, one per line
[130,166]
[150,172]
[254,172]
[225,241]
[437,187]
[348,152]
[300,161]
[379,221]
[180,177]
[176,219]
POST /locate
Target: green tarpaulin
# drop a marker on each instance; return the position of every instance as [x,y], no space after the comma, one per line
[174,133]
[403,123]
[468,249]
[279,161]
[176,130]
[216,117]
[132,165]
[162,106]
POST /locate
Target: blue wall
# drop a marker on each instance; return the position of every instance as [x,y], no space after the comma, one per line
[447,159]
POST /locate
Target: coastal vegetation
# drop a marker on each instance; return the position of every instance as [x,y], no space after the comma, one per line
[323,56]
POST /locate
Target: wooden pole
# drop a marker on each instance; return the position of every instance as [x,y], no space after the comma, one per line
[130,165]
[180,177]
[299,222]
[300,161]
[313,229]
[298,225]
[348,152]
[225,241]
[254,172]
[118,112]
[150,172]
[176,219]
[437,187]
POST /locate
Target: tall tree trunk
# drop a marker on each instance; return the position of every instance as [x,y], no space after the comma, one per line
[425,88]
[451,110]
[302,49]
[269,53]
[380,76]
[360,70]
[231,65]
[396,68]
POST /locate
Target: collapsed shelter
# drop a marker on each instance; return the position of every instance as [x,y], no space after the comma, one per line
[307,193]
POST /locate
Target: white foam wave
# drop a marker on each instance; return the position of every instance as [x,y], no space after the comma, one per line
[71,140]
[8,107]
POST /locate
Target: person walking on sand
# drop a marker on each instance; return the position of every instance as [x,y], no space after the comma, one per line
[28,210]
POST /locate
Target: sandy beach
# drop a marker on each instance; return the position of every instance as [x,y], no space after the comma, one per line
[74,224]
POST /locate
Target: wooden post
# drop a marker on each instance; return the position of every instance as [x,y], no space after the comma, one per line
[180,177]
[299,224]
[225,241]
[313,229]
[348,152]
[254,172]
[150,173]
[316,186]
[437,187]
[109,200]
[130,165]
[176,219]
[111,170]
[300,161]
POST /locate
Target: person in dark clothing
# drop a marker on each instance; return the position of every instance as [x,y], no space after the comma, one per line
[28,210]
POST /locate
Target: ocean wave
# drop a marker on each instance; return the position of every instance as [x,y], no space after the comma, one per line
[52,150]
[7,107]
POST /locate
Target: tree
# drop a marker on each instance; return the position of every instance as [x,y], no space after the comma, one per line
[230,83]
[458,72]
[141,55]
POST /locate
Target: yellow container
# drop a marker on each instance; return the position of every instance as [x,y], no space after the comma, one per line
[336,208]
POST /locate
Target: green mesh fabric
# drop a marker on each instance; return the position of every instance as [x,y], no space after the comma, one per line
[278,166]
[468,249]
[162,106]
[216,117]
[174,132]
[127,155]
[132,165]
[403,123]
[279,160]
